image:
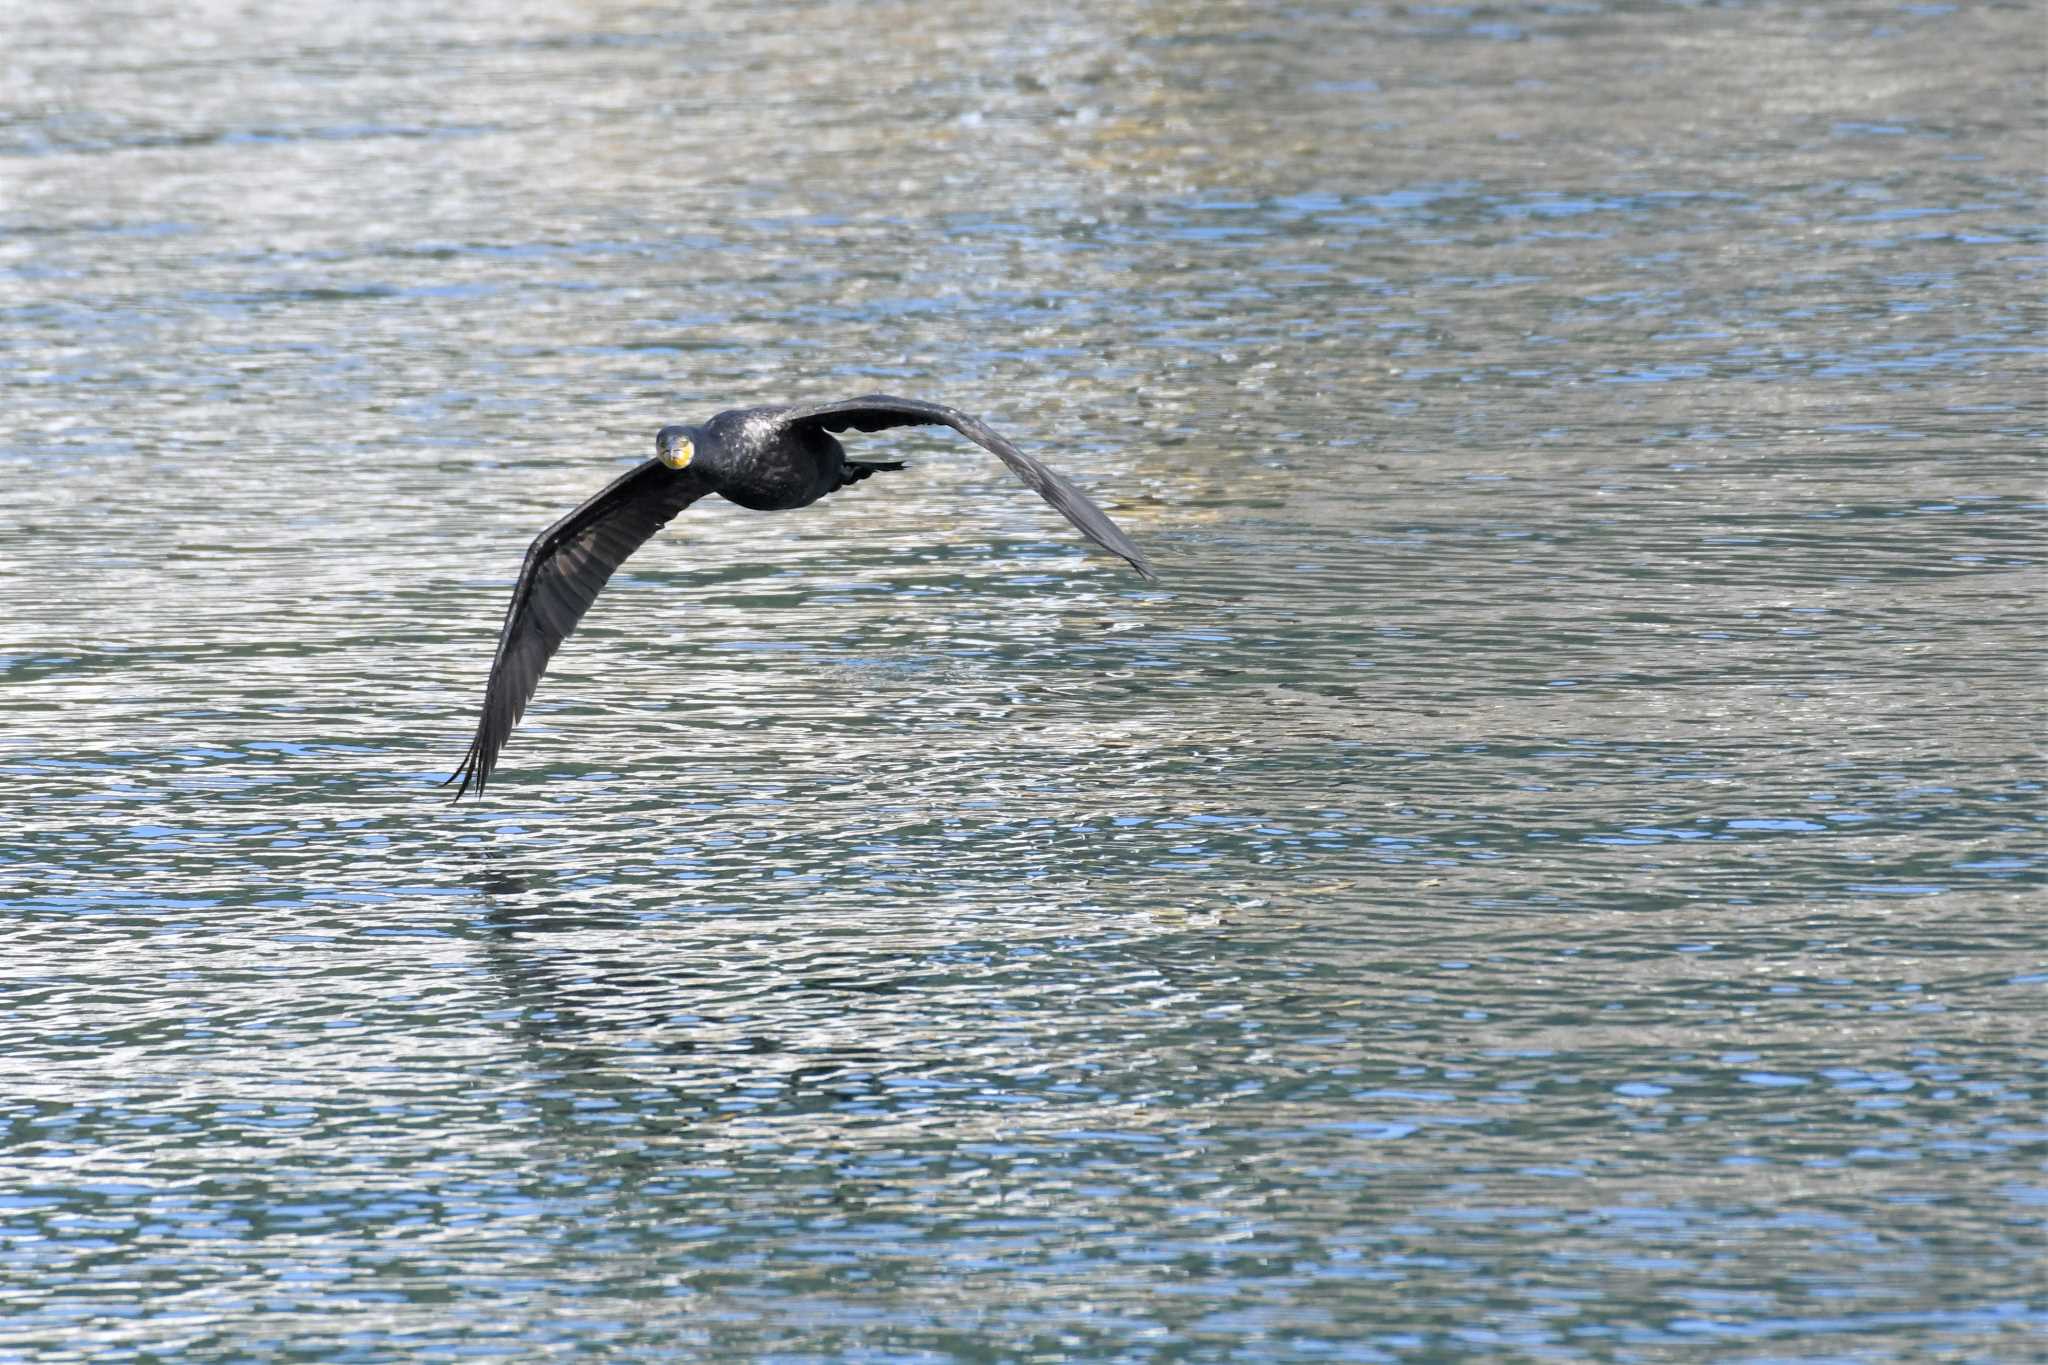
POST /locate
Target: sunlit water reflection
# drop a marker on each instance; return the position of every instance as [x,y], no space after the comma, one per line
[1552,872]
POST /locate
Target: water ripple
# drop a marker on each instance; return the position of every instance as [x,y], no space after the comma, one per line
[1548,873]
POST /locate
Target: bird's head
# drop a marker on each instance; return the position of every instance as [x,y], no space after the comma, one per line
[677,446]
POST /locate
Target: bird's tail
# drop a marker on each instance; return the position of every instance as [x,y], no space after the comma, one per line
[856,470]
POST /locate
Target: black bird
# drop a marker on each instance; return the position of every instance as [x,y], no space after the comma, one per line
[770,459]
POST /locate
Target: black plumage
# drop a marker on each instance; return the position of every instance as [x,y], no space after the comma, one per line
[771,459]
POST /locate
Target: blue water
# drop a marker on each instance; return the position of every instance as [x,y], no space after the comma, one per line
[1553,871]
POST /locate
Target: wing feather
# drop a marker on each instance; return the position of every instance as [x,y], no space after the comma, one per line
[566,566]
[879,411]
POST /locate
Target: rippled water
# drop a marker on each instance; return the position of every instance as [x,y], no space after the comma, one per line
[1553,872]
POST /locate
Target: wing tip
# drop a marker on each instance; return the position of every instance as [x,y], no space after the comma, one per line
[1111,537]
[472,772]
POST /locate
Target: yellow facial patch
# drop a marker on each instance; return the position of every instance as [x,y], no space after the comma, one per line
[679,455]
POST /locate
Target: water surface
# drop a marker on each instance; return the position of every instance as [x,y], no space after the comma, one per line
[1553,871]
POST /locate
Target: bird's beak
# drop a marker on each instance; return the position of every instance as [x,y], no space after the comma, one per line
[679,455]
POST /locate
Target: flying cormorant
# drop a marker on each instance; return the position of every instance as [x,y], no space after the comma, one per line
[771,459]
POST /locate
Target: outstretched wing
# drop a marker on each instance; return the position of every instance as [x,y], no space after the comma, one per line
[565,567]
[877,412]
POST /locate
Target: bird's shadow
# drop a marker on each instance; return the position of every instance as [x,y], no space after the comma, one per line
[593,1013]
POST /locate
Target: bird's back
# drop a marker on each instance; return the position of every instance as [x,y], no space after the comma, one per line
[771,466]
